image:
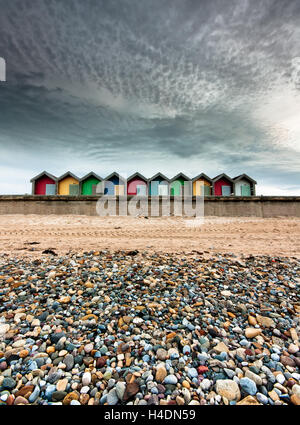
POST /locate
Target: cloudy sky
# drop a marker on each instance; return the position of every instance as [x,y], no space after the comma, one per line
[151,85]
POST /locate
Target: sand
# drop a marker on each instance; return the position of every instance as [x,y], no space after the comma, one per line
[31,234]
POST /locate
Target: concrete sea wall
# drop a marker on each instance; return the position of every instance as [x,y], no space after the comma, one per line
[255,206]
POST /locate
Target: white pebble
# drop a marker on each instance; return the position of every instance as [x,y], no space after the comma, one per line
[280,378]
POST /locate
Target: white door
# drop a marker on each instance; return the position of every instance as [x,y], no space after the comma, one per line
[163,190]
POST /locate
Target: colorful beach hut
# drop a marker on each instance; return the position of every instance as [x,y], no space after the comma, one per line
[114,184]
[159,185]
[89,184]
[44,184]
[68,184]
[223,185]
[244,185]
[137,184]
[180,185]
[202,185]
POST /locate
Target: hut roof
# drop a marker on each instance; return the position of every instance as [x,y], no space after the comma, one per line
[115,174]
[68,173]
[180,175]
[159,175]
[91,174]
[44,173]
[139,175]
[220,176]
[202,175]
[244,176]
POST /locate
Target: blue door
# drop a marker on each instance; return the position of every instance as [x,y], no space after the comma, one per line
[50,189]
[109,188]
[226,190]
[154,188]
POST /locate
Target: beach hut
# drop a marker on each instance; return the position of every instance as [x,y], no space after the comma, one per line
[137,185]
[159,185]
[202,185]
[244,185]
[223,185]
[68,184]
[89,183]
[180,185]
[44,184]
[114,184]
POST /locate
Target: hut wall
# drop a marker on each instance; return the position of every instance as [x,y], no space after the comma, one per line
[63,185]
[238,187]
[131,186]
[218,186]
[87,185]
[40,185]
[198,187]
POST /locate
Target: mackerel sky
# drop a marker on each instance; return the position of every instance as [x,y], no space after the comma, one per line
[151,85]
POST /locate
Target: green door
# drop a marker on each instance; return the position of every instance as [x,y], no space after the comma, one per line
[206,190]
[245,190]
[176,188]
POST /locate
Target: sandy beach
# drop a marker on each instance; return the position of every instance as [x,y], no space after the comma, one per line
[32,234]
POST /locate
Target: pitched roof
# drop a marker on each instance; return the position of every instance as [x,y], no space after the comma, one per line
[222,175]
[159,175]
[244,176]
[180,175]
[43,173]
[137,175]
[91,174]
[113,175]
[68,173]
[202,175]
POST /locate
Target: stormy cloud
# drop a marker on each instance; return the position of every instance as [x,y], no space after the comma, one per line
[151,85]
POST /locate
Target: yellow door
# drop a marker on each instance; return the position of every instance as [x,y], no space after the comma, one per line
[119,189]
[198,187]
[201,187]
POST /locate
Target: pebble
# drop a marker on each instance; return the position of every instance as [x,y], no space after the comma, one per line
[262,398]
[253,377]
[112,397]
[252,332]
[205,384]
[8,383]
[248,401]
[34,395]
[248,385]
[75,403]
[120,389]
[228,389]
[293,348]
[161,354]
[170,379]
[69,361]
[192,372]
[86,378]
[149,329]
[161,374]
